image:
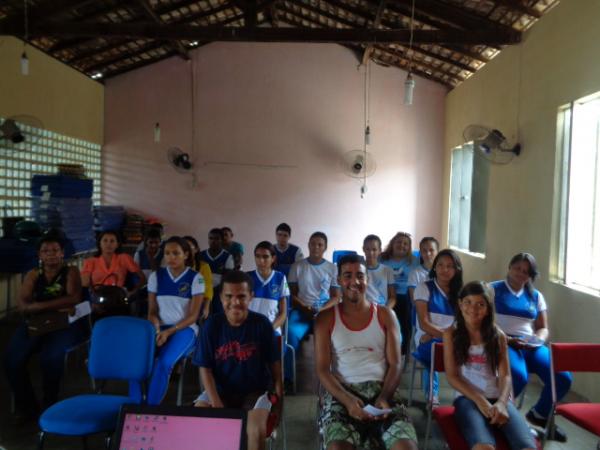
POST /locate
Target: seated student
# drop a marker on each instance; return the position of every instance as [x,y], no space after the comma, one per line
[235,248]
[52,287]
[398,256]
[477,366]
[357,354]
[174,304]
[109,266]
[435,300]
[287,254]
[381,286]
[219,260]
[522,314]
[203,269]
[428,250]
[239,359]
[313,287]
[270,286]
[150,257]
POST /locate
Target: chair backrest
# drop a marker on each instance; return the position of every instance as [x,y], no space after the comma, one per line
[575,357]
[337,254]
[437,358]
[122,348]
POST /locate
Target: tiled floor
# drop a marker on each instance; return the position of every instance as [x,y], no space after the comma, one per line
[301,409]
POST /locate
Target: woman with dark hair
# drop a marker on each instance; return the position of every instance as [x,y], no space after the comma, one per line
[428,250]
[175,297]
[53,287]
[203,269]
[398,256]
[109,266]
[522,314]
[435,301]
[476,363]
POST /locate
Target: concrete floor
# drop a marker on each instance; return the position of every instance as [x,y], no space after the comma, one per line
[300,413]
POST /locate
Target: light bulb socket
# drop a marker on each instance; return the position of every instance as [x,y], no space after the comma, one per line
[368,135]
[409,86]
[157,132]
[24,64]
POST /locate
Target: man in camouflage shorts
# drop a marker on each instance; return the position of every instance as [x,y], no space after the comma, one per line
[357,350]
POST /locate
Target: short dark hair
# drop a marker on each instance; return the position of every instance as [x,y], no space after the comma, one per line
[238,277]
[51,238]
[218,231]
[348,259]
[372,237]
[319,234]
[284,227]
[533,269]
[266,245]
[153,233]
[225,229]
[193,240]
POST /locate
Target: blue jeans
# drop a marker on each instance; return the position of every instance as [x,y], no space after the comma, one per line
[537,360]
[176,347]
[52,348]
[298,327]
[476,428]
[423,354]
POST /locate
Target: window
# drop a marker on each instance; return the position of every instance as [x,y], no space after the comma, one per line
[579,166]
[468,200]
[47,149]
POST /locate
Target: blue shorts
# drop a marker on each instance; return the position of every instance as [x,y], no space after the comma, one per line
[476,429]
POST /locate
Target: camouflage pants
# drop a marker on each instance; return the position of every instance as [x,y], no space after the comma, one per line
[380,434]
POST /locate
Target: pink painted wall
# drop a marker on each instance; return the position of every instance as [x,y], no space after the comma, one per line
[275,104]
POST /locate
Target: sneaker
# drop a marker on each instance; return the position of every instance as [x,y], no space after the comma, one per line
[558,435]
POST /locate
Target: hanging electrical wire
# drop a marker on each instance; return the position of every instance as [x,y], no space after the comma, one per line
[24,58]
[409,84]
[367,124]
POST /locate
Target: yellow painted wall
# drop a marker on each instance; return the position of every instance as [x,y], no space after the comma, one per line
[519,92]
[65,100]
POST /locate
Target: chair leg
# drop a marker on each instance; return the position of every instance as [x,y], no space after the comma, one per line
[180,383]
[294,387]
[108,441]
[84,442]
[412,381]
[40,443]
[427,430]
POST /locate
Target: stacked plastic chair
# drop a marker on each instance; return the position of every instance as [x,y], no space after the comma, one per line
[65,203]
[108,218]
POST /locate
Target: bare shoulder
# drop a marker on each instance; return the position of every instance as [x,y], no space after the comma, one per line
[324,318]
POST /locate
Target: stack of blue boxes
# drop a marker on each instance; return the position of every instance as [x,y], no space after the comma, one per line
[108,218]
[65,203]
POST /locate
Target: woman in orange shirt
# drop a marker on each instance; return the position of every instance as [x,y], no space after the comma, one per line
[109,266]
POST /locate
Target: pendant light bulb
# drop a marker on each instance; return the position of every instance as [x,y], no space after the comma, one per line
[24,64]
[368,135]
[409,86]
[157,133]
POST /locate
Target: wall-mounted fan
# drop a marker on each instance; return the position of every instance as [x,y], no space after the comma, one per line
[358,164]
[179,160]
[491,144]
[20,132]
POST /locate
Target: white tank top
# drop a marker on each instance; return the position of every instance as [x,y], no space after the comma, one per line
[479,373]
[358,355]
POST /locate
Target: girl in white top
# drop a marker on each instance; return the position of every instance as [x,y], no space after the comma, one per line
[477,366]
[428,250]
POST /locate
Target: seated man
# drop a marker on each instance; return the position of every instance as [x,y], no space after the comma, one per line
[239,359]
[357,351]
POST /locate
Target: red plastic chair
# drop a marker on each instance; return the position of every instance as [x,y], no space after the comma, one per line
[444,415]
[575,358]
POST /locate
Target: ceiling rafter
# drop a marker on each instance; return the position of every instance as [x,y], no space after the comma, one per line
[176,45]
[376,23]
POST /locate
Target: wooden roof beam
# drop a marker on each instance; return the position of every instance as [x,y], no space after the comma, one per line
[376,23]
[239,34]
[175,44]
[517,5]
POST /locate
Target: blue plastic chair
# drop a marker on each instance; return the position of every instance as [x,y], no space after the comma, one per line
[337,254]
[122,348]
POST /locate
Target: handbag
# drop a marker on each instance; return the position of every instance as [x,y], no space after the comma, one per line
[109,300]
[46,322]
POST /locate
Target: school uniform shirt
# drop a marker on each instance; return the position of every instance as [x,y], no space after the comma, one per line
[417,276]
[378,280]
[239,357]
[267,293]
[173,294]
[235,249]
[120,265]
[218,265]
[516,312]
[287,257]
[143,261]
[314,281]
[401,270]
[440,311]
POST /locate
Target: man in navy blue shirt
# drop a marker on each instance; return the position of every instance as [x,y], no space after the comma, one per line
[239,358]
